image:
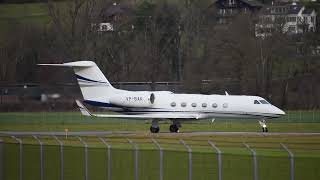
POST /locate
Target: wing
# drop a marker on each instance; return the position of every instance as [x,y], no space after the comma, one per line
[149,116]
[84,111]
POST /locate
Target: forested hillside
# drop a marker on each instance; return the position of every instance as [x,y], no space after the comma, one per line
[160,41]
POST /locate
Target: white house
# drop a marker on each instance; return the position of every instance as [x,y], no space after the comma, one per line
[288,18]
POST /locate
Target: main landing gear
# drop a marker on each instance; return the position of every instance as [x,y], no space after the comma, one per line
[154,129]
[263,125]
[174,128]
[154,126]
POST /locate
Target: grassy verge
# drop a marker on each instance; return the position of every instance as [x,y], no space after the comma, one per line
[273,162]
[58,121]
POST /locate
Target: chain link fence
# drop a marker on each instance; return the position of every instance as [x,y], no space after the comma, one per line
[302,116]
[95,158]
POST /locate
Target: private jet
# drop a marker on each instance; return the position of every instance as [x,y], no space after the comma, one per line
[163,105]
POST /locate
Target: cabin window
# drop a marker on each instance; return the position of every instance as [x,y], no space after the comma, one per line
[204,105]
[173,104]
[214,105]
[256,102]
[194,105]
[264,102]
[183,104]
[225,105]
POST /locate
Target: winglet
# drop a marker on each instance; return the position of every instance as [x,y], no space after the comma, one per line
[84,111]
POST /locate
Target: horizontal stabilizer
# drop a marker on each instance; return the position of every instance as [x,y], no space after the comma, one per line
[72,64]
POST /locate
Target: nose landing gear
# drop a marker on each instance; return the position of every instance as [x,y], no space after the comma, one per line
[263,125]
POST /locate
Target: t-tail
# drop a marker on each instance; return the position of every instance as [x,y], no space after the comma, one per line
[93,84]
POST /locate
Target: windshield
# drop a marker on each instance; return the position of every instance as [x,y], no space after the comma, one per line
[264,102]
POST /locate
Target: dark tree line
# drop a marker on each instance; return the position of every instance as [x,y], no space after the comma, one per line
[166,42]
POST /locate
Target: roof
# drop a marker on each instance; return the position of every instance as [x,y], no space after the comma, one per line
[116,9]
[253,3]
[250,3]
[294,9]
[283,9]
[307,11]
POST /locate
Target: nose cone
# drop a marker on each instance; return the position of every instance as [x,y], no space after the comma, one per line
[278,111]
[281,112]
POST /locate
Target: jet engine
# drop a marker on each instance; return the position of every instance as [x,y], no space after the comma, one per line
[134,100]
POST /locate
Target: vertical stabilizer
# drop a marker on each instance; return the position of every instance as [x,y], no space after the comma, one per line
[93,84]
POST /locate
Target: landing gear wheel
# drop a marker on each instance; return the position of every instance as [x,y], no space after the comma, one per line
[154,129]
[174,128]
[264,129]
[263,124]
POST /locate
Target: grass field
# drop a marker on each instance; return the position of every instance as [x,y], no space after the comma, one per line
[58,121]
[273,162]
[272,159]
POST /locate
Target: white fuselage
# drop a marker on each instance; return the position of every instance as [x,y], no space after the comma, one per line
[198,105]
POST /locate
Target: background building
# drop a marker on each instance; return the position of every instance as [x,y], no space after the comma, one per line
[291,18]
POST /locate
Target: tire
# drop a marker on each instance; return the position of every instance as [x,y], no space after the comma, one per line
[266,130]
[263,129]
[154,130]
[173,128]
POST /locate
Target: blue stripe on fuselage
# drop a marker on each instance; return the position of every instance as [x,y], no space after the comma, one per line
[86,79]
[160,110]
[100,104]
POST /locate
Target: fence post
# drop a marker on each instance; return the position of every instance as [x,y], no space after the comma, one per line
[135,159]
[300,116]
[61,158]
[190,158]
[108,156]
[255,164]
[313,115]
[291,158]
[219,159]
[41,156]
[1,159]
[161,158]
[20,157]
[85,157]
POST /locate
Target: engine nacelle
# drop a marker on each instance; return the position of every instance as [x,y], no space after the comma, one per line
[134,100]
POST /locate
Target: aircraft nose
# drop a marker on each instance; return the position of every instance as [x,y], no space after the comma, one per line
[279,111]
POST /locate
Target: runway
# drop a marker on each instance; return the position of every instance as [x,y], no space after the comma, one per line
[133,133]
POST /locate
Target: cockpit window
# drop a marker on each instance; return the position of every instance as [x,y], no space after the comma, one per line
[256,102]
[264,102]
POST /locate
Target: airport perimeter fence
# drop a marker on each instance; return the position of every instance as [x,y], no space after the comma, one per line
[301,116]
[58,158]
